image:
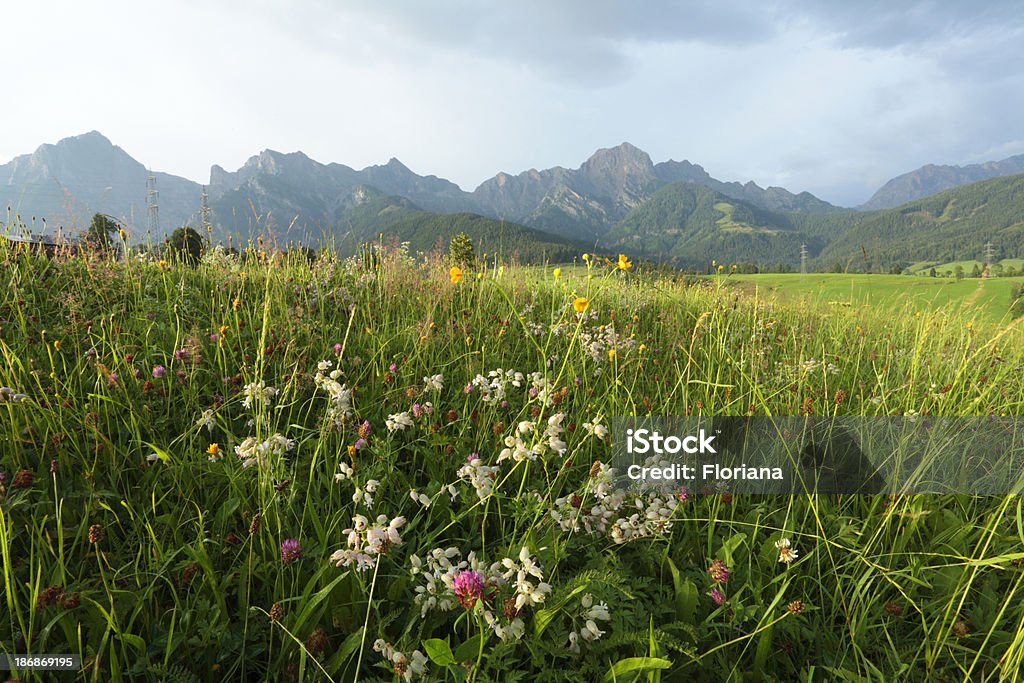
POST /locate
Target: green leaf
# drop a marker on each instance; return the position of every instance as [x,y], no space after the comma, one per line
[439,651]
[469,650]
[135,641]
[687,595]
[730,547]
[542,618]
[635,665]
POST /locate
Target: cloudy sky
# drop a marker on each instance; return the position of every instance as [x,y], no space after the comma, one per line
[833,98]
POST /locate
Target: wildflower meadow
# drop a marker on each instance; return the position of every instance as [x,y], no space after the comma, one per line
[272,467]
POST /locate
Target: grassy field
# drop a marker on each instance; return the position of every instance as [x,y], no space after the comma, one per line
[949,269]
[984,301]
[264,468]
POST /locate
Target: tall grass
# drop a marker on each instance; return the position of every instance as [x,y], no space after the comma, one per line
[128,538]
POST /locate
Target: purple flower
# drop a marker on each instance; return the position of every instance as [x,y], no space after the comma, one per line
[417,410]
[91,353]
[504,405]
[468,587]
[472,456]
[291,550]
[181,354]
[214,337]
[683,494]
[159,371]
[360,444]
[393,368]
[337,349]
[717,596]
[719,572]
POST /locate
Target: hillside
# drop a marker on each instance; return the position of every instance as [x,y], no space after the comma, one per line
[691,225]
[952,225]
[932,179]
[372,214]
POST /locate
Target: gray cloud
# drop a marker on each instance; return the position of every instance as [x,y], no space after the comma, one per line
[830,97]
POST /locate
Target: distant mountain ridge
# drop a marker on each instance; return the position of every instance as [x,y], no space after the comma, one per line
[932,179]
[300,197]
[67,182]
[617,199]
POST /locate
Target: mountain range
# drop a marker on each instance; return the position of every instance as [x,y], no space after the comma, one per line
[616,199]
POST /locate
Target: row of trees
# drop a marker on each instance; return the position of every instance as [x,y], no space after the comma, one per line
[107,235]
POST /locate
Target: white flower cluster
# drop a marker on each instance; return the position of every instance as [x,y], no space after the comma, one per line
[493,387]
[541,388]
[571,515]
[597,341]
[8,395]
[597,429]
[341,395]
[364,495]
[258,392]
[207,420]
[479,475]
[807,367]
[365,541]
[653,517]
[590,615]
[344,472]
[252,452]
[527,594]
[604,508]
[433,383]
[398,422]
[406,667]
[442,565]
[550,439]
[438,571]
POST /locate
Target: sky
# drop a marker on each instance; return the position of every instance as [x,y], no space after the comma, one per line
[833,98]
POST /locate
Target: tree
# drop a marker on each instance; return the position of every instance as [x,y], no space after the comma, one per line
[1017,301]
[101,231]
[187,244]
[976,271]
[461,251]
[931,272]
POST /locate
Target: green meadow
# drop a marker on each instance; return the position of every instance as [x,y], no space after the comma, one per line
[983,301]
[270,467]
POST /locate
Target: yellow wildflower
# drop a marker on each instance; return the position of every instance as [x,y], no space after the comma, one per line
[580,305]
[455,274]
[557,273]
[624,263]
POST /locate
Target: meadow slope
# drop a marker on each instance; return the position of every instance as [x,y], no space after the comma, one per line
[266,468]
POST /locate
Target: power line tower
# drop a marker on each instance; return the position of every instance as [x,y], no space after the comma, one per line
[803,259]
[204,214]
[152,204]
[989,257]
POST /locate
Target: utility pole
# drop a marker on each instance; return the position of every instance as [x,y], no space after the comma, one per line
[803,259]
[152,203]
